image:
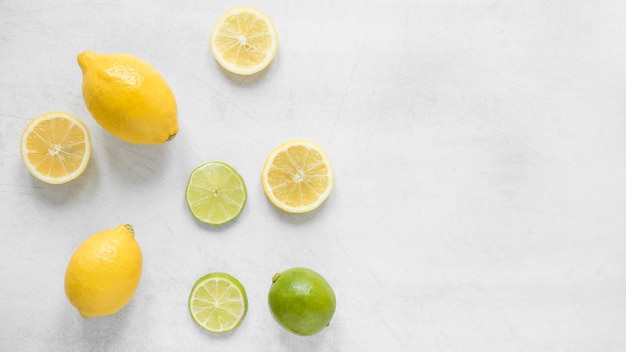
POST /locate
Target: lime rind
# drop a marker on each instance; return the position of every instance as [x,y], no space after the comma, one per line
[218,302]
[215,193]
[301,301]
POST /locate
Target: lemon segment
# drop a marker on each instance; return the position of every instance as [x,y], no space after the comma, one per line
[56,147]
[297,176]
[244,40]
[218,302]
[128,97]
[104,271]
[216,193]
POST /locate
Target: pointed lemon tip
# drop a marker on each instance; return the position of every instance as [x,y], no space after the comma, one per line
[85,57]
[85,316]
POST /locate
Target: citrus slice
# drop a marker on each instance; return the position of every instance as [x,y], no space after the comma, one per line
[216,193]
[56,147]
[297,176]
[218,302]
[244,40]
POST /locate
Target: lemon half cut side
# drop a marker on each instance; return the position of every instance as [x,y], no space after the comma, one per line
[244,40]
[297,176]
[56,147]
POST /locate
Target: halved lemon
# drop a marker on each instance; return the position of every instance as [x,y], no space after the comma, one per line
[218,302]
[244,40]
[297,176]
[56,147]
[216,193]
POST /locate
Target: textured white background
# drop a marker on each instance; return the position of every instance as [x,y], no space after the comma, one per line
[480,158]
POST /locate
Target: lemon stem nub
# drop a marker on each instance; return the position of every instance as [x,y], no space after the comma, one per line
[170,137]
[130,228]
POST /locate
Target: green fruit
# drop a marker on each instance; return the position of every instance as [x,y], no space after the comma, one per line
[301,301]
[216,193]
[218,302]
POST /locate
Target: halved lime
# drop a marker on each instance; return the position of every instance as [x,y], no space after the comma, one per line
[216,193]
[218,302]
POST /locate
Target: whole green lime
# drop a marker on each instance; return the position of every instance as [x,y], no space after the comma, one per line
[301,301]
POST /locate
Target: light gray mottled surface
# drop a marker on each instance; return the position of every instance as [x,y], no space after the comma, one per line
[480,157]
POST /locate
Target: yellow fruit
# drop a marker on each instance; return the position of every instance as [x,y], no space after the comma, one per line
[297,176]
[244,40]
[104,272]
[128,98]
[55,147]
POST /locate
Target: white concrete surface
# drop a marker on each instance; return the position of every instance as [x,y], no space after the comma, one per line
[480,156]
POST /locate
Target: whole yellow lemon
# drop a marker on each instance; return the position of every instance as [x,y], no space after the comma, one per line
[128,98]
[104,271]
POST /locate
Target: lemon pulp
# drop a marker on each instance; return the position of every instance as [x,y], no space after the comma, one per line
[244,40]
[56,147]
[297,176]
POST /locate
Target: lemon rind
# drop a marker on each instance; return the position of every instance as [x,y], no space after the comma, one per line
[231,67]
[267,188]
[70,176]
